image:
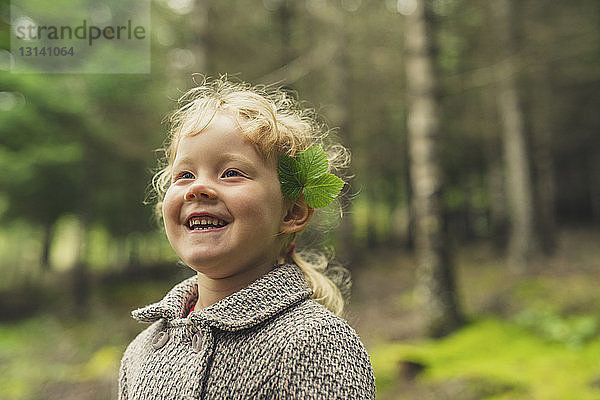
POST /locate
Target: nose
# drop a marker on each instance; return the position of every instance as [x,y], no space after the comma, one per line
[199,191]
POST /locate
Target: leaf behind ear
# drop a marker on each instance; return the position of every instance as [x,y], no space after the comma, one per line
[291,177]
[313,162]
[321,191]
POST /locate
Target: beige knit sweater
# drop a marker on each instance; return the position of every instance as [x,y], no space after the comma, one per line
[267,341]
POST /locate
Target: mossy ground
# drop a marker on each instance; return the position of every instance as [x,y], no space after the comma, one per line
[492,359]
[532,335]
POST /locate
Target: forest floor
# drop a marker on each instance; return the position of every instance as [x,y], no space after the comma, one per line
[530,334]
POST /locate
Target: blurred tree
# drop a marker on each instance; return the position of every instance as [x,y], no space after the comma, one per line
[521,245]
[340,87]
[341,76]
[39,157]
[345,59]
[435,278]
[285,18]
[200,35]
[542,127]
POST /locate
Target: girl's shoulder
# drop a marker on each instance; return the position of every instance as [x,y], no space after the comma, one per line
[312,312]
[323,354]
[310,321]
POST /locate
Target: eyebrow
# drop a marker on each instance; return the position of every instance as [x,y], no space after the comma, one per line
[235,157]
[223,157]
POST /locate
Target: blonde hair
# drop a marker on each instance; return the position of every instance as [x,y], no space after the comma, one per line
[277,125]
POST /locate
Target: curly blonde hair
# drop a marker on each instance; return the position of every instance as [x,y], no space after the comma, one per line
[277,124]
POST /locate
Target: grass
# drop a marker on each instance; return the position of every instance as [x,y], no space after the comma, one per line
[497,359]
[44,350]
[500,360]
[52,356]
[533,336]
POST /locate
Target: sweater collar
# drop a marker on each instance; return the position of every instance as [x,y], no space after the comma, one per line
[268,295]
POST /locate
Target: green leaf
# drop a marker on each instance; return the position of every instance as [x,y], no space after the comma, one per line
[291,177]
[321,191]
[307,173]
[313,162]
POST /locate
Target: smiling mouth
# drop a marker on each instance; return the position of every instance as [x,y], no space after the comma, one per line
[204,223]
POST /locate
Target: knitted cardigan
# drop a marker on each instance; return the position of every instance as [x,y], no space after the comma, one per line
[266,341]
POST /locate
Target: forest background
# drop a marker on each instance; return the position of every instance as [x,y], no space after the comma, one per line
[472,238]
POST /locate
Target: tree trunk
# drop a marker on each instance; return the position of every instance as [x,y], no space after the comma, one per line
[133,258]
[201,40]
[285,15]
[340,73]
[47,242]
[594,185]
[80,275]
[410,241]
[518,175]
[496,188]
[545,191]
[435,279]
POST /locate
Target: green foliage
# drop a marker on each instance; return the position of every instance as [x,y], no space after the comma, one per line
[322,190]
[312,162]
[82,144]
[573,331]
[102,364]
[50,351]
[35,339]
[292,183]
[307,174]
[519,363]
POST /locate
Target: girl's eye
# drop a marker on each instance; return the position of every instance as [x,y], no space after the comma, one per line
[185,175]
[231,173]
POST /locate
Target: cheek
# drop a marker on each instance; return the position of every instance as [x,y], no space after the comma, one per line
[265,208]
[169,205]
[274,211]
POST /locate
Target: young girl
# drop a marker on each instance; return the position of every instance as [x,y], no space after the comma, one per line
[258,321]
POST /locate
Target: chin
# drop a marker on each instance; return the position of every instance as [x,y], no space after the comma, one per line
[203,264]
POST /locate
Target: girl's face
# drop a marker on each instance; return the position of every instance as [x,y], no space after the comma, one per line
[224,209]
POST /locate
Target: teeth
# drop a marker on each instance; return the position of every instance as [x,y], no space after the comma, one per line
[205,223]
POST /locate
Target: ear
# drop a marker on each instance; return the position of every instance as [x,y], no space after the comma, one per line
[297,216]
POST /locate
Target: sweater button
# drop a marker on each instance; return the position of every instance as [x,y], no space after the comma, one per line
[197,342]
[160,340]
